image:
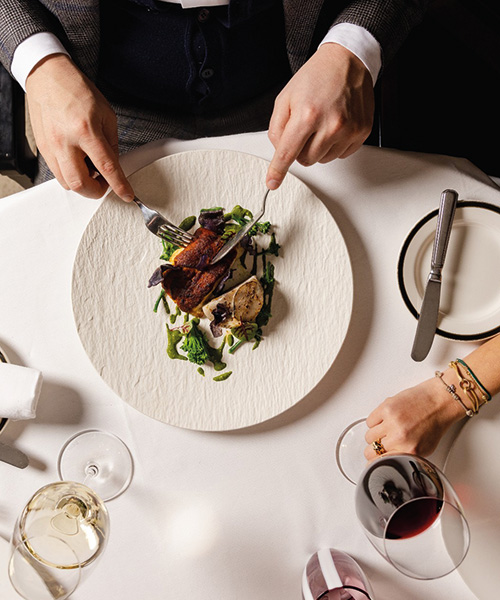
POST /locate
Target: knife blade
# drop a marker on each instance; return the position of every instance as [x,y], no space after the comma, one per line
[13,456]
[236,239]
[429,311]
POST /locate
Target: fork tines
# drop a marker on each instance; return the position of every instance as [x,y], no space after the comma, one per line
[175,235]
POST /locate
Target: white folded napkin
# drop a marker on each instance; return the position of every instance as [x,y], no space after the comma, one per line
[19,391]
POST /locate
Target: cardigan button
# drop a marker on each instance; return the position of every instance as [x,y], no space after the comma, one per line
[203,15]
[207,73]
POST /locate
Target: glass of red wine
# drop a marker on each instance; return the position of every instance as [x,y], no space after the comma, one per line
[407,507]
[334,575]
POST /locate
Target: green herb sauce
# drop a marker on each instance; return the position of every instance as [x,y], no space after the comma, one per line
[223,376]
[174,337]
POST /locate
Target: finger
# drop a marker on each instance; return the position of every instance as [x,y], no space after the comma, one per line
[374,418]
[77,176]
[387,445]
[375,433]
[289,147]
[351,149]
[279,119]
[106,162]
[54,167]
[314,150]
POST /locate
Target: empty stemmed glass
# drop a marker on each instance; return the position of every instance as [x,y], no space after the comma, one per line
[334,575]
[407,507]
[64,527]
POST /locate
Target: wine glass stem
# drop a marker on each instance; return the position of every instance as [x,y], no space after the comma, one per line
[91,471]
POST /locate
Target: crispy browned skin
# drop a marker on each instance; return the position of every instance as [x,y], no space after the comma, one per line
[193,282]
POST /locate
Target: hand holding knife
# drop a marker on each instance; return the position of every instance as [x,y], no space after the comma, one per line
[429,311]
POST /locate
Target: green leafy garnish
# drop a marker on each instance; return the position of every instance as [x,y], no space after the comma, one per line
[196,344]
[245,331]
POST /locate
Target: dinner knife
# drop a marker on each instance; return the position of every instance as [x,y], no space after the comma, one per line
[13,456]
[429,311]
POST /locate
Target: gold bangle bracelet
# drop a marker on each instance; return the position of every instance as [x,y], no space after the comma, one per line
[467,385]
[452,390]
[485,395]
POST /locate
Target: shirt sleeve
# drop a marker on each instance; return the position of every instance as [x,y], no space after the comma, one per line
[30,52]
[360,42]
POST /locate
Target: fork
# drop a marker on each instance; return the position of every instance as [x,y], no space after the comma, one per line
[236,239]
[158,225]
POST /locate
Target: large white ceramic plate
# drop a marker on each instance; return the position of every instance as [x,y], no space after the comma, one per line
[473,467]
[470,294]
[126,340]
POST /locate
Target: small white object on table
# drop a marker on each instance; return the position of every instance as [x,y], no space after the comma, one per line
[19,391]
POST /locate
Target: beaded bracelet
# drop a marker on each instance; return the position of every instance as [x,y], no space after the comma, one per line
[452,390]
[467,385]
[486,396]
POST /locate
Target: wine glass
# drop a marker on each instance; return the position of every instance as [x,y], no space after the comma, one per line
[334,575]
[99,459]
[44,567]
[407,507]
[72,511]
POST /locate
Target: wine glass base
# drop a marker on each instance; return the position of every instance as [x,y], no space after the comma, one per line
[98,459]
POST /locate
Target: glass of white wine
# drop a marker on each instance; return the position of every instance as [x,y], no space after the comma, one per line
[94,466]
[44,567]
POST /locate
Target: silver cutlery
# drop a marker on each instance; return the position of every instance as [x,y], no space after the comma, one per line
[157,224]
[236,239]
[429,311]
[13,456]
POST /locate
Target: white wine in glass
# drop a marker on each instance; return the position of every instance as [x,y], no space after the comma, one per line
[44,568]
[94,466]
[68,511]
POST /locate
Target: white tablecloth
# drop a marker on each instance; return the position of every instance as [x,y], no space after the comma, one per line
[235,514]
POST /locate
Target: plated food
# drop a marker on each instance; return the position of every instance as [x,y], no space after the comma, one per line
[126,340]
[229,300]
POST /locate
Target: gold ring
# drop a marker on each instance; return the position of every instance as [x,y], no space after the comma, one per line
[378,447]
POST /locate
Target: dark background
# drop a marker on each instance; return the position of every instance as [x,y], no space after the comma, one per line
[442,92]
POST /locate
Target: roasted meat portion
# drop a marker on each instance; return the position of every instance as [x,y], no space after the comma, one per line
[191,278]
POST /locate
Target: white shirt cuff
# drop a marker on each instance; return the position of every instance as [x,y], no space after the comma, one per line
[30,52]
[360,42]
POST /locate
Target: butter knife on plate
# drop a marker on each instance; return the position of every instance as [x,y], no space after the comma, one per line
[429,311]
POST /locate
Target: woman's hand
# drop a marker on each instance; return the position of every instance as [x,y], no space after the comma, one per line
[324,112]
[414,420]
[71,121]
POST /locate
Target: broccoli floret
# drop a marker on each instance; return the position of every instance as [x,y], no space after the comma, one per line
[260,227]
[195,344]
[239,214]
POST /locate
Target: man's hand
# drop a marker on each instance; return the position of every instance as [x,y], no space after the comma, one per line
[324,112]
[71,121]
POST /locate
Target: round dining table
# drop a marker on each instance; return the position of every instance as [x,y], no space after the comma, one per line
[235,513]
